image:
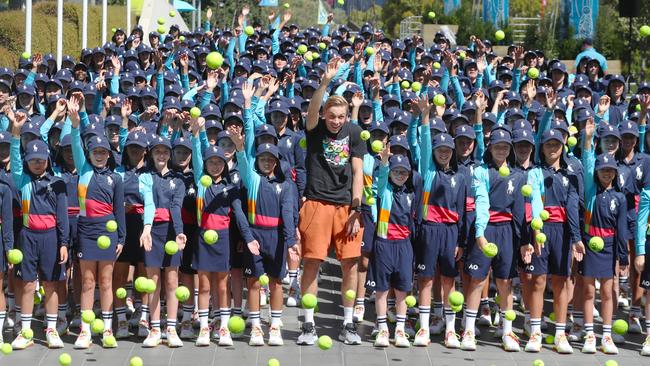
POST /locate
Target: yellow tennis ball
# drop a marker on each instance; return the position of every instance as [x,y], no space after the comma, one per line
[97,326]
[87,316]
[135,361]
[6,348]
[65,359]
[350,294]
[264,280]
[324,342]
[236,325]
[111,226]
[120,293]
[410,301]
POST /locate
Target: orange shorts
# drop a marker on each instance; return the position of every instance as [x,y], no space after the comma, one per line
[323,225]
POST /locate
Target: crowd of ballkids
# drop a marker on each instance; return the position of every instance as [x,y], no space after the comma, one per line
[464,149]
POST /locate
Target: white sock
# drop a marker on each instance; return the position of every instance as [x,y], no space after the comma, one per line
[3,315]
[309,316]
[107,316]
[507,324]
[450,320]
[470,320]
[347,315]
[276,318]
[85,327]
[51,321]
[225,316]
[203,318]
[535,325]
[425,312]
[144,309]
[26,321]
[254,316]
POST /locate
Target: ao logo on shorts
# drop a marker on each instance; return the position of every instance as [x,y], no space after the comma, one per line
[530,267]
[421,267]
[645,283]
[248,271]
[472,266]
[370,283]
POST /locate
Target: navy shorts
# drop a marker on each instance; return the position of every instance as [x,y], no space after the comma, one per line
[645,275]
[392,264]
[215,257]
[601,264]
[89,230]
[436,247]
[273,254]
[161,233]
[132,253]
[369,229]
[556,253]
[191,231]
[236,246]
[504,265]
[40,256]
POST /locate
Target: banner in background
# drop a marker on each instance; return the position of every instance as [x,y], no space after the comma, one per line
[322,13]
[496,11]
[451,6]
[582,16]
[268,3]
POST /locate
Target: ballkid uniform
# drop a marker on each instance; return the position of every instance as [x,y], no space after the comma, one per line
[188,210]
[71,180]
[6,224]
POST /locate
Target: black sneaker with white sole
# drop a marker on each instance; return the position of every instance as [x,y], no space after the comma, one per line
[308,336]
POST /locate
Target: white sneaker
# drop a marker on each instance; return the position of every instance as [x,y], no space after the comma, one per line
[618,339]
[422,338]
[257,336]
[203,339]
[607,346]
[634,321]
[451,340]
[534,343]
[153,339]
[359,312]
[437,325]
[286,280]
[510,342]
[292,298]
[62,326]
[468,342]
[173,341]
[53,339]
[623,302]
[485,319]
[83,341]
[143,328]
[130,309]
[187,331]
[401,339]
[122,330]
[275,336]
[645,351]
[596,312]
[562,345]
[590,343]
[576,333]
[382,339]
[108,339]
[225,339]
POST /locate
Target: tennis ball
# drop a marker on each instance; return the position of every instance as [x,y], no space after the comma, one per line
[537,224]
[365,135]
[111,226]
[26,55]
[315,55]
[27,333]
[236,324]
[110,341]
[182,293]
[104,242]
[97,326]
[286,5]
[182,38]
[214,60]
[302,49]
[416,86]
[538,362]
[510,315]
[309,56]
[325,342]
[540,238]
[195,112]
[341,2]
[41,291]
[370,51]
[544,215]
[551,316]
[150,287]
[120,293]
[135,361]
[161,20]
[410,301]
[533,73]
[405,84]
[644,30]
[87,316]
[456,298]
[370,201]
[439,100]
[499,35]
[436,65]
[573,130]
[303,143]
[309,301]
[504,171]
[377,146]
[274,362]
[37,298]
[572,141]
[462,54]
[15,256]
[264,280]
[171,247]
[140,284]
[491,250]
[637,108]
[249,30]
[161,29]
[113,30]
[322,45]
[526,190]
[210,237]
[457,309]
[206,180]
[620,326]
[172,13]
[350,294]
[549,339]
[431,15]
[596,244]
[6,348]
[611,363]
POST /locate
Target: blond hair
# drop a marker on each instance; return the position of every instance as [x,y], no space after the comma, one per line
[336,101]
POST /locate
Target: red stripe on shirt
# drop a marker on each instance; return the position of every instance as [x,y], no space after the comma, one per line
[211,221]
[556,213]
[41,222]
[441,214]
[98,209]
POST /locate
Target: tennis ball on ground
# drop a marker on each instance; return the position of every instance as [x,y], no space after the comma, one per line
[303,143]
[161,29]
[150,287]
[6,348]
[416,86]
[161,20]
[504,171]
[25,55]
[431,15]
[249,30]
[644,30]
[120,293]
[236,325]
[104,242]
[365,135]
[140,284]
[182,293]
[350,294]
[302,49]
[439,100]
[533,73]
[544,215]
[65,359]
[264,280]
[537,224]
[456,298]
[499,35]
[309,301]
[210,237]
[171,247]
[172,13]
[135,361]
[410,301]
[97,326]
[436,65]
[510,315]
[111,226]
[377,146]
[540,238]
[596,244]
[27,333]
[370,51]
[110,341]
[551,316]
[206,181]
[620,326]
[405,84]
[491,250]
[214,60]
[325,342]
[572,141]
[195,113]
[526,190]
[15,256]
[549,339]
[87,316]
[274,362]
[538,362]
[611,363]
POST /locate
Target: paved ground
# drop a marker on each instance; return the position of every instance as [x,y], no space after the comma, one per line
[487,354]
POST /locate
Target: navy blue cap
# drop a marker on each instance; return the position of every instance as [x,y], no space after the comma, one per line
[552,135]
[501,134]
[37,149]
[66,141]
[5,137]
[605,161]
[465,131]
[558,66]
[560,124]
[225,134]
[521,123]
[232,116]
[31,127]
[266,130]
[182,142]
[398,140]
[159,141]
[608,130]
[616,77]
[489,117]
[438,125]
[148,91]
[379,126]
[278,105]
[171,103]
[584,114]
[213,151]
[137,139]
[643,86]
[443,139]
[523,135]
[26,89]
[399,161]
[211,111]
[629,128]
[98,142]
[268,148]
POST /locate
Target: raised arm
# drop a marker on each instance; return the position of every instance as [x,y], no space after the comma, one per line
[317,99]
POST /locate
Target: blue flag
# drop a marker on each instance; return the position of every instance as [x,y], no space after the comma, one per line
[496,11]
[583,15]
[451,6]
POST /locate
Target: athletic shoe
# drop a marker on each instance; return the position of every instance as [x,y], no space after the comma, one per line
[359,312]
[422,338]
[225,339]
[293,297]
[562,345]
[53,339]
[437,325]
[83,341]
[187,331]
[308,336]
[62,326]
[105,336]
[607,346]
[130,309]
[510,342]
[468,342]
[645,351]
[173,341]
[576,333]
[485,319]
[153,339]
[596,312]
[634,321]
[623,302]
[275,336]
[122,330]
[451,340]
[257,336]
[143,328]
[9,320]
[349,335]
[402,339]
[203,339]
[534,343]
[382,339]
[590,343]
